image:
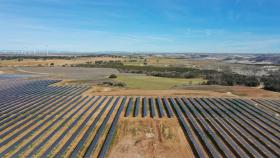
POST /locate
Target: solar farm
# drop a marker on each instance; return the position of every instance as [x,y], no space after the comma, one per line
[41,119]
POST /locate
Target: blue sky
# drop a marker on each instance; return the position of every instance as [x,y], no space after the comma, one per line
[230,26]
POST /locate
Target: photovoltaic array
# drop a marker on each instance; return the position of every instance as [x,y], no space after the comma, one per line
[40,119]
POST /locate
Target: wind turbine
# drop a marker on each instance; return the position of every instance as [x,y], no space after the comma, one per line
[47,50]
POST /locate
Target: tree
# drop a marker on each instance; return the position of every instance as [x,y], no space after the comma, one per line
[145,62]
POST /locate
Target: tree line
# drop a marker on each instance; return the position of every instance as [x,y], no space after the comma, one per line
[213,77]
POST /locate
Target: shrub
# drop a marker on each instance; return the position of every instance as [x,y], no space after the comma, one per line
[113,76]
[120,84]
[108,83]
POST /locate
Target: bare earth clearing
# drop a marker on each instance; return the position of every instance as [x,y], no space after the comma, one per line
[73,73]
[202,91]
[158,138]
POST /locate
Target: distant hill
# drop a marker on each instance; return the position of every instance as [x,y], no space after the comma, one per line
[274,59]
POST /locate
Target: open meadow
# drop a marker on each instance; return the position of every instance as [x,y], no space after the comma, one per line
[155,83]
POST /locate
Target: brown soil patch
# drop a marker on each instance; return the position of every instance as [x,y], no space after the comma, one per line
[239,91]
[147,138]
[72,82]
[192,91]
[9,70]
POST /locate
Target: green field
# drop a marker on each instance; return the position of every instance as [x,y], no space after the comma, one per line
[156,83]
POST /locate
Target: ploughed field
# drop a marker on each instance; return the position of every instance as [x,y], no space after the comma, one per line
[39,119]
